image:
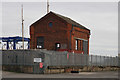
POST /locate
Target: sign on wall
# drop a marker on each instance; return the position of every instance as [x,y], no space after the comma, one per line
[37,60]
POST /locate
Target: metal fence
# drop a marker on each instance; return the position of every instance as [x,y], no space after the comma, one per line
[73,59]
[20,57]
[23,60]
[54,58]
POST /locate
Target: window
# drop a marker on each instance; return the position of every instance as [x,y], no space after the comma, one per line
[76,44]
[40,42]
[50,24]
[57,45]
[39,47]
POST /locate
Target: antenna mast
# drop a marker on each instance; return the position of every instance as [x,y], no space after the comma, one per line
[48,6]
[22,26]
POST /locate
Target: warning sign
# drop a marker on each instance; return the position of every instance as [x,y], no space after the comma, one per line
[37,60]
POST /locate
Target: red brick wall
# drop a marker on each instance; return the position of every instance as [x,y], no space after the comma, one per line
[79,33]
[32,37]
[58,33]
[55,34]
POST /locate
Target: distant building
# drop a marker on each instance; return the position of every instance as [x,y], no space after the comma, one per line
[56,32]
[12,42]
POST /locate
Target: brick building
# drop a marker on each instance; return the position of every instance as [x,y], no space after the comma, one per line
[57,32]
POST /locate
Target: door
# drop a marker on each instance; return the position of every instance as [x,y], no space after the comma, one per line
[85,49]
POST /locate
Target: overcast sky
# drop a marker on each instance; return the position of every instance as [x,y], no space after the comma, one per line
[100,17]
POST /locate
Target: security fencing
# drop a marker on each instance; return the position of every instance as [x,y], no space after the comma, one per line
[55,58]
[74,59]
[95,60]
[36,61]
[22,61]
[20,57]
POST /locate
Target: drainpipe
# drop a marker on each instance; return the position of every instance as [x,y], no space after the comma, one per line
[71,36]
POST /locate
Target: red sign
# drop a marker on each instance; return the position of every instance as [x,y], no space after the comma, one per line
[41,65]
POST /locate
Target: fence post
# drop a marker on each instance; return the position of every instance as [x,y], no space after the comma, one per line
[100,60]
[91,60]
[87,58]
[103,60]
[82,59]
[116,61]
[107,61]
[96,60]
[111,61]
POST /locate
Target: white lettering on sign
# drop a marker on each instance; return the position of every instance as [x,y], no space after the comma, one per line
[37,60]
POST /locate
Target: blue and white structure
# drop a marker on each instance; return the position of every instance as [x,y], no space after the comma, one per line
[15,40]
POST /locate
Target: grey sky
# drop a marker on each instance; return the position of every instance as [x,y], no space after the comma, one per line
[99,17]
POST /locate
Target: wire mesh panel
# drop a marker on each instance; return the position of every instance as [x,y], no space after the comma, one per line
[116,61]
[93,60]
[102,61]
[77,60]
[64,58]
[71,60]
[119,61]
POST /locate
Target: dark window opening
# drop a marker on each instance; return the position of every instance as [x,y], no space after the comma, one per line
[40,42]
[57,45]
[39,46]
[50,24]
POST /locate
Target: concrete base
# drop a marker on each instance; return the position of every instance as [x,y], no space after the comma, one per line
[81,69]
[23,69]
[55,70]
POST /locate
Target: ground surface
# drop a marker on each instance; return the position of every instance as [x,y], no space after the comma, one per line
[109,74]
